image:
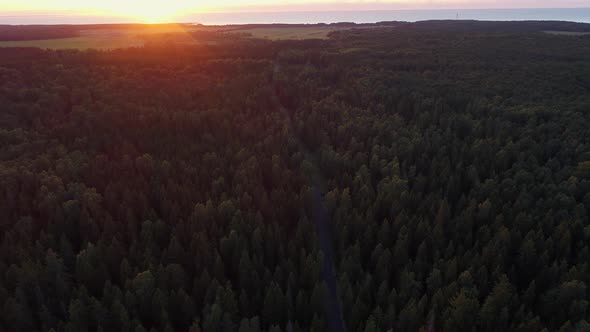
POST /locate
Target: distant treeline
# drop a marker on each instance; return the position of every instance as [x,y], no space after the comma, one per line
[499,26]
[36,32]
[285,25]
[40,32]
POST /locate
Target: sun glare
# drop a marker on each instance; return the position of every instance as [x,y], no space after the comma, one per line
[151,11]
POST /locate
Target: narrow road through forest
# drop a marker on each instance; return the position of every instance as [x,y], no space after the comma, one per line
[320,218]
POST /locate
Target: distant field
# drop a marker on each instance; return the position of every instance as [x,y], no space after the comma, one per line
[103,38]
[136,36]
[568,33]
[86,42]
[290,33]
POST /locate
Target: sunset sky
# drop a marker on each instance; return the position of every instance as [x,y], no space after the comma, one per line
[126,6]
[165,10]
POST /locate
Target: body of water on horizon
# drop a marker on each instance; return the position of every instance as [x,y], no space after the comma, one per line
[311,17]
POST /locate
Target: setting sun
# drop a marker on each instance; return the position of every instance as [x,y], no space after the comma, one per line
[143,11]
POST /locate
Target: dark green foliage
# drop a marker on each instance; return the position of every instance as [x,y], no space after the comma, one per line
[165,189]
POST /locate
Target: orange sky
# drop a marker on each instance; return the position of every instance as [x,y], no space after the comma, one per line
[167,10]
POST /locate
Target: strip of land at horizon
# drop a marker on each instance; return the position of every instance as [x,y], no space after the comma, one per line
[113,36]
[135,35]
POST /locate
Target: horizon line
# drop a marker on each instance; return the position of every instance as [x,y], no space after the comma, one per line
[213,17]
[286,10]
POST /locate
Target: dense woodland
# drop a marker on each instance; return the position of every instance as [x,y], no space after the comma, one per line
[183,188]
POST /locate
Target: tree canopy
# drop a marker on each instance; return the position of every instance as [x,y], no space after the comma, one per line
[178,188]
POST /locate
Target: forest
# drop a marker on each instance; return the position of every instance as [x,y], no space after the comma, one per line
[432,176]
